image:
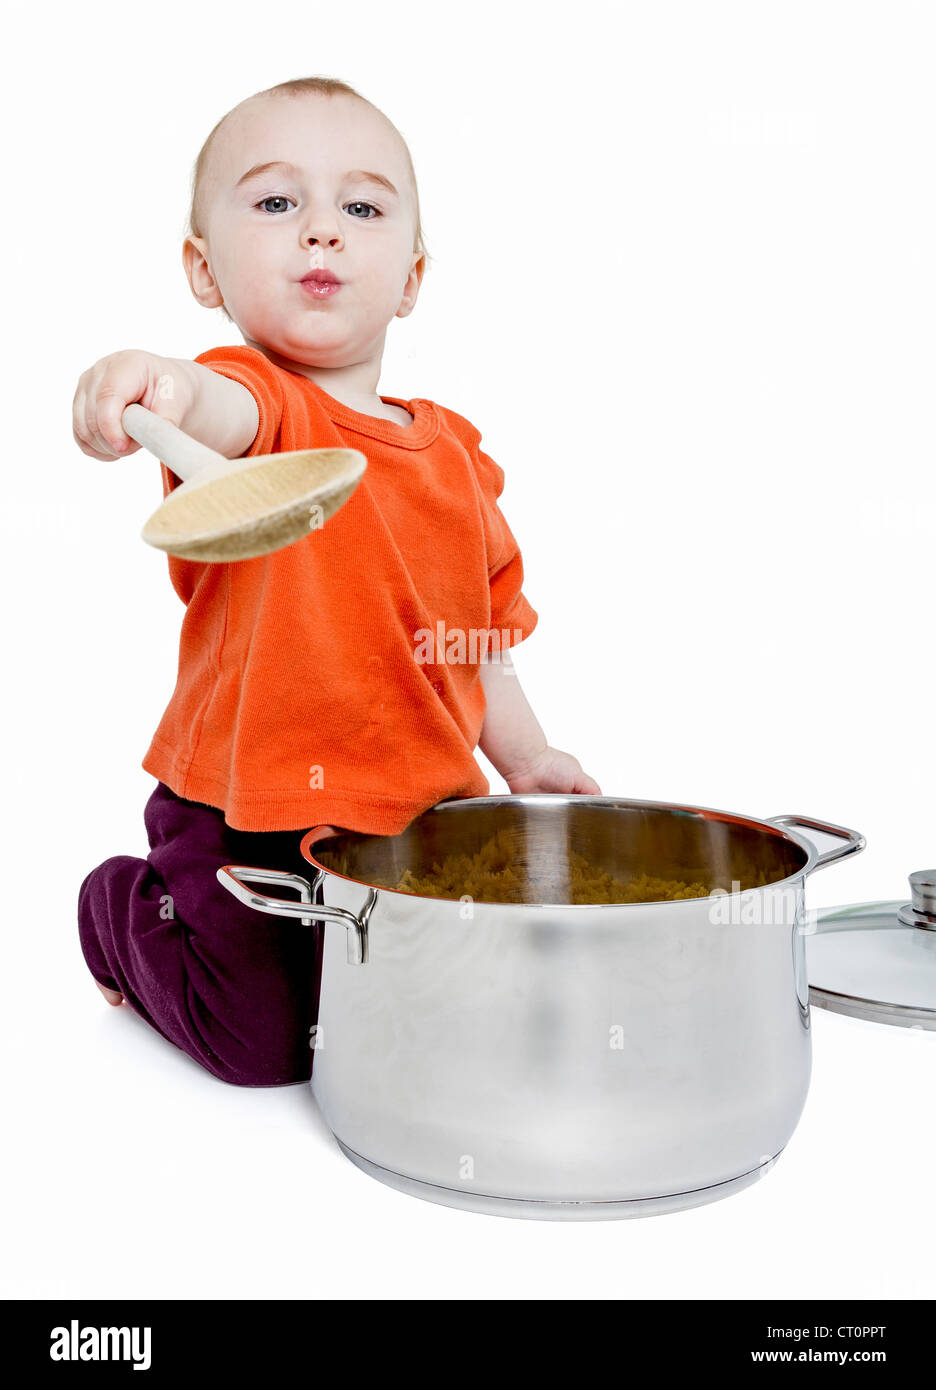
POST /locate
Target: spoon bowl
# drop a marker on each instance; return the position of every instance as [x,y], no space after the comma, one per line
[239,509]
[246,512]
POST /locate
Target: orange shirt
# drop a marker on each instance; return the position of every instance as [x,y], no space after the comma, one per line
[303,695]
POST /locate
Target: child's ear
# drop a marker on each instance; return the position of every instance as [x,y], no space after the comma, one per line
[411,289]
[201,280]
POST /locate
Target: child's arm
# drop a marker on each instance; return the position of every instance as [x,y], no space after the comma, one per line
[223,413]
[212,408]
[512,739]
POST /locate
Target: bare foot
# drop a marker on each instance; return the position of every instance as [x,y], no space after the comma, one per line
[113,996]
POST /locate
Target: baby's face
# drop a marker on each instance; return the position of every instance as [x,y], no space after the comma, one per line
[264,232]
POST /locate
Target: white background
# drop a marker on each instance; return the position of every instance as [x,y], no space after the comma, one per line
[684,284]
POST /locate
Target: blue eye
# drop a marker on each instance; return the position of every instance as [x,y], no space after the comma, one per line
[273,198]
[281,198]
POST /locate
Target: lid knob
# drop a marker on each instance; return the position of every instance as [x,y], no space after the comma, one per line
[923,890]
[920,911]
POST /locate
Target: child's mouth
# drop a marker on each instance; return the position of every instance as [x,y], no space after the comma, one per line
[319,289]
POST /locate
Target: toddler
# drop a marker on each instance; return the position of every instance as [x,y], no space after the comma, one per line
[337,683]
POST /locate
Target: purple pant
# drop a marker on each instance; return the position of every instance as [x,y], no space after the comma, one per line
[235,988]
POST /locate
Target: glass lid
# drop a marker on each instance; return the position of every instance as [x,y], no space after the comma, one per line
[878,960]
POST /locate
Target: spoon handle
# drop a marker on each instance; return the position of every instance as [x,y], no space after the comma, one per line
[176,449]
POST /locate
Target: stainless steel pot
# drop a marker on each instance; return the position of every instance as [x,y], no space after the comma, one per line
[549,1059]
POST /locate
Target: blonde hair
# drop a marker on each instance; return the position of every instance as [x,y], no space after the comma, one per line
[298,86]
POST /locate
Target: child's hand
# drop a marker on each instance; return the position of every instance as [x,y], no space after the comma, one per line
[161,384]
[552,771]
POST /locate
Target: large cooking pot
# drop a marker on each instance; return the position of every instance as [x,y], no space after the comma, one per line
[553,1059]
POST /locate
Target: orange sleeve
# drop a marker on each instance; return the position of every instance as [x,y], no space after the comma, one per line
[510,608]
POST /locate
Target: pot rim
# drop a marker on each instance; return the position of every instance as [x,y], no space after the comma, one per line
[536,798]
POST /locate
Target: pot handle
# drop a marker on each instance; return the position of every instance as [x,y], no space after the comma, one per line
[855,841]
[231,877]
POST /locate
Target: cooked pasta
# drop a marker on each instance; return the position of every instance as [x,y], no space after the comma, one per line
[492,875]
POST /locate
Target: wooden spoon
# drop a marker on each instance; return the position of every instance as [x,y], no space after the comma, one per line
[237,509]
